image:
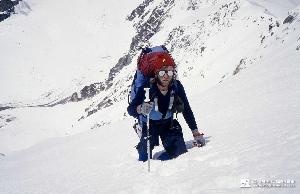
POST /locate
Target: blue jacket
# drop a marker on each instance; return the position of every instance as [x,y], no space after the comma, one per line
[163,104]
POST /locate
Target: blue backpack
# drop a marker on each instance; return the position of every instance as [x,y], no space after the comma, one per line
[144,72]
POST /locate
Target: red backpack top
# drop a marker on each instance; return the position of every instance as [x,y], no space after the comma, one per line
[153,59]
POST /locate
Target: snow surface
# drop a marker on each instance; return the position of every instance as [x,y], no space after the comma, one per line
[72,40]
[251,119]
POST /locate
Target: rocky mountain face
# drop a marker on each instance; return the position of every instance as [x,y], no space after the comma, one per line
[147,23]
[192,30]
[147,20]
[7,7]
[208,32]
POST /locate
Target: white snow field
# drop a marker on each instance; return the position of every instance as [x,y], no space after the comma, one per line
[251,118]
[57,46]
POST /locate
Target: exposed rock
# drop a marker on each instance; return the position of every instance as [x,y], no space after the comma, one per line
[7,7]
[239,66]
[271,27]
[202,49]
[123,61]
[10,119]
[193,5]
[262,39]
[145,30]
[88,91]
[147,22]
[74,97]
[137,12]
[5,107]
[289,19]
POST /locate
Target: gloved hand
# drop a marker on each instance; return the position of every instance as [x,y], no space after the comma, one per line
[145,108]
[198,138]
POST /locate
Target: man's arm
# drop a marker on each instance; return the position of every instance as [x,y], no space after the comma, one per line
[189,117]
[137,101]
[187,112]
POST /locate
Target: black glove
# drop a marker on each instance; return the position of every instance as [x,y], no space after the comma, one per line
[198,138]
[145,108]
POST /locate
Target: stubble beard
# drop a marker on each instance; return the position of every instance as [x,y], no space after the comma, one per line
[163,83]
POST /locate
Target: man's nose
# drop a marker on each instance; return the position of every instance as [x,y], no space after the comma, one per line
[166,75]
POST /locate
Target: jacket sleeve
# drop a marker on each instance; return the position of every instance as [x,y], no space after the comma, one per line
[187,112]
[139,99]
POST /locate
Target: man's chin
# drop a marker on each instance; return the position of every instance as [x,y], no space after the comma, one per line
[165,83]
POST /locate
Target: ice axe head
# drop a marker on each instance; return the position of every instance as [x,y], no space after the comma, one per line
[147,95]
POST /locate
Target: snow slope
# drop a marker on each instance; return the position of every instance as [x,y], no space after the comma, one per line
[71,36]
[243,89]
[251,128]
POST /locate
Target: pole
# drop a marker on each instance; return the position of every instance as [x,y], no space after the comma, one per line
[147,99]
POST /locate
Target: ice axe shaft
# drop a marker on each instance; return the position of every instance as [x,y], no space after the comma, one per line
[147,99]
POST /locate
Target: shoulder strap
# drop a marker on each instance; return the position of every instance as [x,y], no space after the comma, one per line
[174,94]
[172,97]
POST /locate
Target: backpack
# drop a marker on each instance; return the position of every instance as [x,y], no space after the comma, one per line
[148,61]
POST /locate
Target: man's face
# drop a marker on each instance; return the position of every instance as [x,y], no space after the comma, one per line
[165,75]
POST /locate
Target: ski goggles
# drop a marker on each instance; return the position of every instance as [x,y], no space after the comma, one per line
[170,73]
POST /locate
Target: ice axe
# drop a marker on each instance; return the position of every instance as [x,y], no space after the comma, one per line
[147,99]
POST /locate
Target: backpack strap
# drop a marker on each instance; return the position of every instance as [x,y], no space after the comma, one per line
[156,103]
[172,96]
[175,98]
